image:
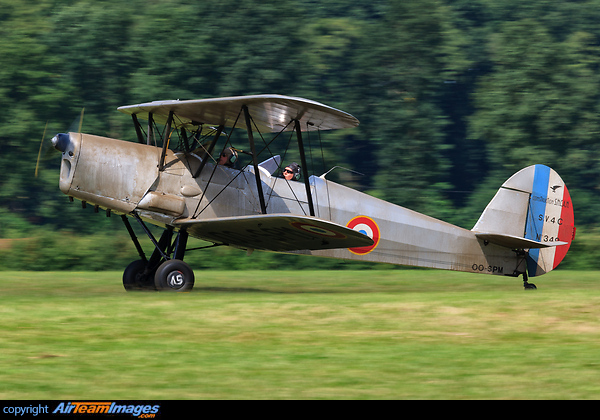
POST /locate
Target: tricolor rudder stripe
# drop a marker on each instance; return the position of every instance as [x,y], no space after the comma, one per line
[549,219]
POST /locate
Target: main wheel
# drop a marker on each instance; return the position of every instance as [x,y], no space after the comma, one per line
[174,275]
[135,278]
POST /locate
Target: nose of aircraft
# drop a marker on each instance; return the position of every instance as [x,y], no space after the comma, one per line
[61,142]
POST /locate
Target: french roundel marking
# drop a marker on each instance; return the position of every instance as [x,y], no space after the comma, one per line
[317,230]
[366,226]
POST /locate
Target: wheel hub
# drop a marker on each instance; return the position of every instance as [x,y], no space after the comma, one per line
[175,279]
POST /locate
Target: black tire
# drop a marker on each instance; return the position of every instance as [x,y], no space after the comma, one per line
[135,279]
[175,276]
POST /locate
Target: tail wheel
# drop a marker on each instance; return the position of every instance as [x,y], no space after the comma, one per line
[174,275]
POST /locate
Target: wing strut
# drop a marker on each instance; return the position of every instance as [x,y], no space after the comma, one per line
[303,160]
[261,197]
[208,152]
[161,165]
[150,133]
[138,130]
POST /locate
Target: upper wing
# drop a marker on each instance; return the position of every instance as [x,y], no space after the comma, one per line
[275,232]
[270,113]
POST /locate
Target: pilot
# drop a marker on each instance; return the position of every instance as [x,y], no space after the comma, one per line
[228,157]
[292,172]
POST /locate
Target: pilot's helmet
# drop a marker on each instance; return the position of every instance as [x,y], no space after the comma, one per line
[228,157]
[296,169]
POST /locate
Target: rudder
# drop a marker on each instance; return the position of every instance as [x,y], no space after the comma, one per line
[534,204]
[550,218]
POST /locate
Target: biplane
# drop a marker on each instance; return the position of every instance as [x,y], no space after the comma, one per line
[174,177]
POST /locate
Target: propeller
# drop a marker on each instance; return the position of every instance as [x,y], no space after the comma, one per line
[79,123]
[58,141]
[37,165]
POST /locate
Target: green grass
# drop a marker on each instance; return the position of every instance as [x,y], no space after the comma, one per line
[390,334]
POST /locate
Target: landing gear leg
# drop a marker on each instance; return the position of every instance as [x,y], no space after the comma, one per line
[526,284]
[522,256]
[137,275]
[159,272]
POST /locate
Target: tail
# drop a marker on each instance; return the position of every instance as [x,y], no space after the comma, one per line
[533,212]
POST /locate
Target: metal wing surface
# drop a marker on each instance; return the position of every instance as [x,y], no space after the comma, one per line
[275,232]
[270,113]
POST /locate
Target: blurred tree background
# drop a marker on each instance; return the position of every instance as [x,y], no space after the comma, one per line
[454,96]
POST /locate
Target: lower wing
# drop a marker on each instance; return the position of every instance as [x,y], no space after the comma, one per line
[275,232]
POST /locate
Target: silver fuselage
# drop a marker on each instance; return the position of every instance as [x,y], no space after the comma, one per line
[124,177]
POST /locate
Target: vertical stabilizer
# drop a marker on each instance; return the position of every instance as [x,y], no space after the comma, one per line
[534,204]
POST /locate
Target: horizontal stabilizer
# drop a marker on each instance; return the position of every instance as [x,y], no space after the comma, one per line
[516,242]
[275,232]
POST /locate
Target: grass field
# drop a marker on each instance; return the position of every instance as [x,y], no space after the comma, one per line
[386,334]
